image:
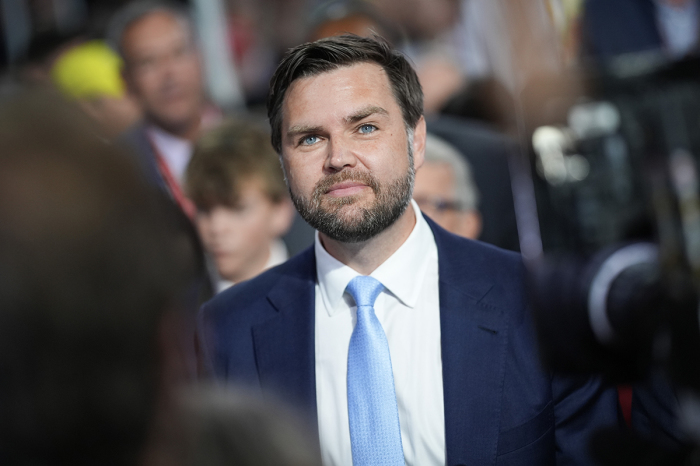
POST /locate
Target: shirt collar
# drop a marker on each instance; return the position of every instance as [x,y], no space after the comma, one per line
[176,151]
[401,274]
[161,137]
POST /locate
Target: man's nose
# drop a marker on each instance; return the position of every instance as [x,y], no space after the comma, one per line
[340,156]
[168,69]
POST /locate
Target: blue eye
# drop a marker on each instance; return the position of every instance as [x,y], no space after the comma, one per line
[366,129]
[309,140]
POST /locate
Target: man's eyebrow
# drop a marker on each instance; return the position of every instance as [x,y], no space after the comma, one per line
[364,113]
[357,116]
[303,129]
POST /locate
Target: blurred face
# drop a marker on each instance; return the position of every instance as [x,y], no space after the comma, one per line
[163,71]
[239,237]
[345,152]
[435,194]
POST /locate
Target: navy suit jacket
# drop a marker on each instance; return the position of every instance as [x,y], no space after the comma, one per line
[136,138]
[500,406]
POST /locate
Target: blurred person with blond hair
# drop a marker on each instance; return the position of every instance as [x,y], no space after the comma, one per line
[243,207]
[90,73]
[445,190]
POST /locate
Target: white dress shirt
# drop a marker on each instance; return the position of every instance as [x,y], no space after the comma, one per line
[176,151]
[409,311]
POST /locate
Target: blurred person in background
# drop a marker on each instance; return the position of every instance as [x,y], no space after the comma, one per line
[445,190]
[90,73]
[487,153]
[412,26]
[163,72]
[243,207]
[611,28]
[94,274]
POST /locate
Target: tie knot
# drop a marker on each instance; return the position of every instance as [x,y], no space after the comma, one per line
[365,290]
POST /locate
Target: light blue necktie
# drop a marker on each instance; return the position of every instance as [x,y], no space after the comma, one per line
[375,434]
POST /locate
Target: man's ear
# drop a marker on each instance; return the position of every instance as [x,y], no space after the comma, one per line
[419,135]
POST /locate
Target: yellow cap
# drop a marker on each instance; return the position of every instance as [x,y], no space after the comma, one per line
[88,70]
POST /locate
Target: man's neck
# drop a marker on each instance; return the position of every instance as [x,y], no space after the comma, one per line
[366,256]
[188,131]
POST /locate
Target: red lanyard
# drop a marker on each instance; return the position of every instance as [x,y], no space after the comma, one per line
[174,188]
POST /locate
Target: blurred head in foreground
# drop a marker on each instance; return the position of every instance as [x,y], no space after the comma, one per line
[213,426]
[89,265]
[90,73]
[445,190]
[236,182]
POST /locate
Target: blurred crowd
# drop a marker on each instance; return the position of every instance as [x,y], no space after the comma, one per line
[130,194]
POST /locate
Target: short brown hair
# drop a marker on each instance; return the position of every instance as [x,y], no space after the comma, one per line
[228,156]
[328,54]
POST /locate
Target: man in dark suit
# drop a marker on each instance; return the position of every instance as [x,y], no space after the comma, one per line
[163,72]
[407,344]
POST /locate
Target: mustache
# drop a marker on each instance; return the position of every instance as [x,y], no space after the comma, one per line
[325,184]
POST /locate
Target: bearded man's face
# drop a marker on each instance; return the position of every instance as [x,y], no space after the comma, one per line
[346,152]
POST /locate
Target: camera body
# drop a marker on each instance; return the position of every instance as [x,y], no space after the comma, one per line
[608,194]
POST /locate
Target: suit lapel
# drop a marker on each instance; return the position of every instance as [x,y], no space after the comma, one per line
[284,344]
[473,343]
[473,340]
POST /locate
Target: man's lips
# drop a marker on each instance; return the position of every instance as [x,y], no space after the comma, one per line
[346,188]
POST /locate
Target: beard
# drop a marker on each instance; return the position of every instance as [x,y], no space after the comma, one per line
[336,217]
